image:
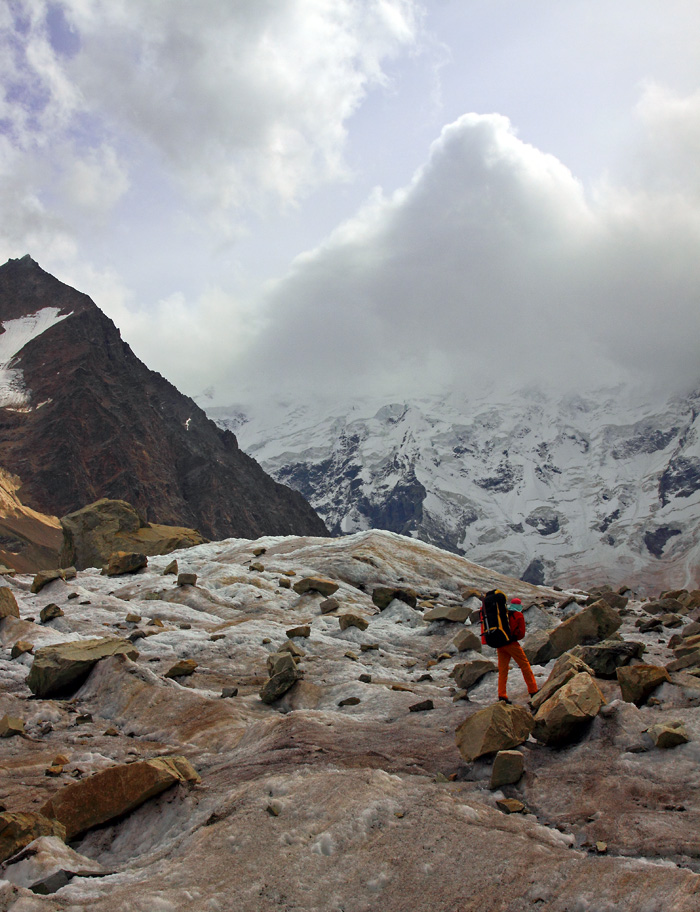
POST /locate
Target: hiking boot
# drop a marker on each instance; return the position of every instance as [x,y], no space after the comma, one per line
[530,707]
[504,700]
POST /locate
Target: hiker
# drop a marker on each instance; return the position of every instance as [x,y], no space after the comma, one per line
[501,627]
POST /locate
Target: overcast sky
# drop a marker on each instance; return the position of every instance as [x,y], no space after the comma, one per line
[372,196]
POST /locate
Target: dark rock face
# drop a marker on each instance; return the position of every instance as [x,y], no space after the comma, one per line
[110,427]
[656,540]
[681,479]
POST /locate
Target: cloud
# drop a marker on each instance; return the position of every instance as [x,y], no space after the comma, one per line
[494,263]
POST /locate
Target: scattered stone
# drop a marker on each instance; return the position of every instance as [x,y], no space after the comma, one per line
[132,618]
[671,620]
[564,670]
[668,734]
[63,667]
[135,635]
[111,732]
[328,605]
[606,657]
[497,727]
[315,584]
[121,562]
[83,718]
[454,613]
[8,603]
[285,676]
[303,630]
[257,567]
[402,687]
[291,647]
[44,577]
[284,583]
[11,726]
[537,647]
[562,716]
[466,674]
[349,701]
[156,622]
[353,620]
[638,682]
[465,640]
[368,647]
[227,692]
[181,669]
[511,806]
[595,623]
[73,595]
[187,579]
[115,791]
[18,830]
[259,550]
[615,600]
[507,768]
[688,660]
[650,624]
[352,656]
[423,706]
[383,596]
[171,569]
[665,606]
[601,847]
[20,648]
[365,678]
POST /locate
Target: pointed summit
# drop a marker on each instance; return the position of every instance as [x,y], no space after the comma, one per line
[25,288]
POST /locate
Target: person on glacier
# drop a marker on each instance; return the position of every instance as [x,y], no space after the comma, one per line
[502,625]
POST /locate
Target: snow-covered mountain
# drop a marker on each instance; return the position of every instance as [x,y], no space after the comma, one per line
[551,489]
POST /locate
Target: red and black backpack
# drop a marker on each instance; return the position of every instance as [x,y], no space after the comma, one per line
[495,623]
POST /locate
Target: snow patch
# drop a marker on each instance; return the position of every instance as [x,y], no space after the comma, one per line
[19,332]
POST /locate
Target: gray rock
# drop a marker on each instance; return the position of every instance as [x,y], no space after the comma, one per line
[606,657]
[286,674]
[63,667]
[507,768]
[466,674]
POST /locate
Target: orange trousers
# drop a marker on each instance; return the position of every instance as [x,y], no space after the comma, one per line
[505,654]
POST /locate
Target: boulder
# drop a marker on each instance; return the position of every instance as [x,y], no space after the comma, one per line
[49,613]
[606,657]
[455,613]
[596,622]
[668,734]
[171,569]
[125,562]
[61,668]
[638,682]
[466,674]
[47,864]
[665,606]
[327,605]
[565,668]
[181,669]
[507,768]
[466,640]
[511,806]
[10,726]
[20,648]
[315,584]
[284,676]
[497,727]
[8,603]
[562,717]
[44,577]
[537,647]
[614,599]
[650,624]
[353,620]
[92,534]
[115,791]
[187,579]
[303,630]
[687,660]
[383,596]
[18,830]
[291,647]
[671,620]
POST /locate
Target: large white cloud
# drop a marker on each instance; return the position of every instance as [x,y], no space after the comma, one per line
[495,261]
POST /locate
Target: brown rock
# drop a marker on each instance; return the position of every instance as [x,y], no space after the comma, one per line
[353,620]
[423,706]
[44,577]
[671,620]
[668,734]
[8,603]
[615,600]
[18,830]
[596,622]
[114,792]
[63,667]
[561,717]
[121,562]
[537,647]
[466,640]
[456,613]
[257,567]
[511,806]
[285,676]
[328,605]
[284,583]
[609,655]
[10,726]
[507,768]
[688,660]
[181,669]
[349,701]
[171,569]
[20,648]
[303,630]
[187,579]
[383,596]
[92,534]
[291,647]
[315,584]
[665,606]
[49,613]
[638,682]
[466,674]
[564,670]
[497,727]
